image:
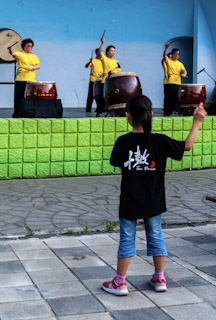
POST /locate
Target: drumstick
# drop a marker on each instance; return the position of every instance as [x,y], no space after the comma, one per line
[12,45]
[103,33]
[92,55]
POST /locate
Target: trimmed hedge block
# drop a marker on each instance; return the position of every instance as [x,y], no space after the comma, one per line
[15,141]
[107,152]
[3,171]
[82,168]
[57,154]
[57,126]
[109,125]
[56,169]
[84,125]
[43,170]
[70,168]
[96,153]
[15,126]
[70,154]
[177,124]
[29,170]
[83,153]
[106,167]
[95,167]
[30,126]
[3,155]
[30,141]
[96,125]
[70,125]
[186,163]
[4,141]
[15,170]
[83,139]
[44,141]
[96,139]
[108,139]
[57,140]
[167,124]
[29,155]
[121,125]
[43,155]
[44,126]
[70,140]
[4,126]
[156,124]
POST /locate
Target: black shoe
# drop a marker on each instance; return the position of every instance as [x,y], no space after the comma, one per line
[98,114]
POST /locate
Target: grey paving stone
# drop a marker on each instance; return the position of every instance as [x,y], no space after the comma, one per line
[140,314]
[4,248]
[191,312]
[19,293]
[133,301]
[35,254]
[64,289]
[25,310]
[51,276]
[199,261]
[11,267]
[82,261]
[206,293]
[14,279]
[140,268]
[68,252]
[94,272]
[75,305]
[43,264]
[97,240]
[187,251]
[143,282]
[90,316]
[193,282]
[8,256]
[173,296]
[27,245]
[200,239]
[209,270]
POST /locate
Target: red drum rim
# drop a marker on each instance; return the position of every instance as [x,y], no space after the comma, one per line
[192,85]
[40,82]
[123,74]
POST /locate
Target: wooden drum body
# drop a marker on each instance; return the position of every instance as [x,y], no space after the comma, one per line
[44,90]
[190,96]
[119,88]
[97,89]
[9,37]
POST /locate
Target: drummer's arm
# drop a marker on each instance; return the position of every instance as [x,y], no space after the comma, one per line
[165,51]
[88,64]
[184,73]
[13,53]
[35,67]
[100,50]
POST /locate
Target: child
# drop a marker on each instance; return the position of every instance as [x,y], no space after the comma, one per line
[142,156]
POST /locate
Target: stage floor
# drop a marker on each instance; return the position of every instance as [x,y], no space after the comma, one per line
[75,113]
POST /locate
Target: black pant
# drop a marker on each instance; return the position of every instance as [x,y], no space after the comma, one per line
[90,98]
[101,103]
[18,96]
[171,100]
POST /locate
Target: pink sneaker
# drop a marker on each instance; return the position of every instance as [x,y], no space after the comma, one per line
[159,284]
[114,288]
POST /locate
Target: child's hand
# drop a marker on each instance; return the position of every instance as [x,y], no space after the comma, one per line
[199,113]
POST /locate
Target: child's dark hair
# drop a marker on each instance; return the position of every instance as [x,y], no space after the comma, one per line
[27,41]
[140,108]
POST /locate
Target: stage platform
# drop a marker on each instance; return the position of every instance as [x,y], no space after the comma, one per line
[76,113]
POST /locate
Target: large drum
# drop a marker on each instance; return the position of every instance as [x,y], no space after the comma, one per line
[190,95]
[7,38]
[119,87]
[97,89]
[44,90]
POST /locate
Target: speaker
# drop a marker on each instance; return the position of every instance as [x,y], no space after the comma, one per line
[40,109]
[212,109]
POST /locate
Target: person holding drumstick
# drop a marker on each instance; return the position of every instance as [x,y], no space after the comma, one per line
[27,64]
[164,65]
[96,72]
[110,65]
[175,70]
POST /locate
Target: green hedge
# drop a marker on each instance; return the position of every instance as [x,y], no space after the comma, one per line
[39,148]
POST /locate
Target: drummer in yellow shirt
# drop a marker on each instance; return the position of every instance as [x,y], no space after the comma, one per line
[96,72]
[164,65]
[175,70]
[110,65]
[27,64]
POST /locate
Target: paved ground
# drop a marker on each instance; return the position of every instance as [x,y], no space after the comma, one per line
[61,277]
[59,205]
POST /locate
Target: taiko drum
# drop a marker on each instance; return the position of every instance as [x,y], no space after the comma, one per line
[45,90]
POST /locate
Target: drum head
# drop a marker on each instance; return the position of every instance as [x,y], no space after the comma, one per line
[192,85]
[7,38]
[41,82]
[123,74]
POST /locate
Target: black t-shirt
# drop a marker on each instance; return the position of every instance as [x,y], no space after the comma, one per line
[142,159]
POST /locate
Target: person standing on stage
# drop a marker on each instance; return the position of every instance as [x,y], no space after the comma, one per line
[164,65]
[96,72]
[110,65]
[27,64]
[175,70]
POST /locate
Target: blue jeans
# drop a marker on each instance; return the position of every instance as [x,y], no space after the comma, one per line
[155,241]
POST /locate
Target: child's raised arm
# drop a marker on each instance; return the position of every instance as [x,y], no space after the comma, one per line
[199,115]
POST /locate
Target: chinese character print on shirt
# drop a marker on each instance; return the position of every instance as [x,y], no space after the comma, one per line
[139,161]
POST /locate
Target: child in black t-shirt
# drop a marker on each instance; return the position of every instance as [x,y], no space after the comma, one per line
[142,156]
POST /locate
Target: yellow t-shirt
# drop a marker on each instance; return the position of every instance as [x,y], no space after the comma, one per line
[108,65]
[96,69]
[174,69]
[26,60]
[164,65]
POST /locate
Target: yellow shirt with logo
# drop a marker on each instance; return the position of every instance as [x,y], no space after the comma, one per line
[109,65]
[26,60]
[174,69]
[96,69]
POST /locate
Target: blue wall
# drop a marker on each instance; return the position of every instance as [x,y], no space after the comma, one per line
[66,31]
